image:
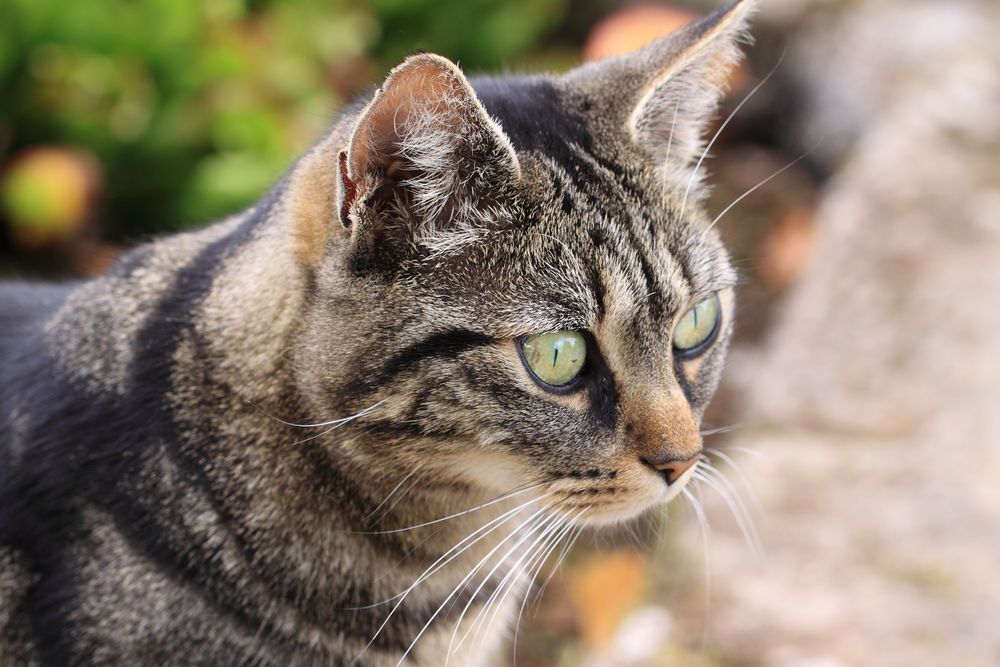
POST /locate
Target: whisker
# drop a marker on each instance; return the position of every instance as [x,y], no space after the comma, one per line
[394,490]
[766,181]
[567,529]
[321,424]
[706,534]
[338,423]
[567,548]
[447,557]
[550,523]
[535,563]
[545,525]
[494,501]
[757,546]
[670,139]
[721,429]
[708,147]
[461,584]
[750,452]
[744,480]
[630,530]
[418,545]
[401,496]
[736,506]
[737,515]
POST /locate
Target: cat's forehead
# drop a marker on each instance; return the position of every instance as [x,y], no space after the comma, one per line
[641,256]
[556,266]
[643,246]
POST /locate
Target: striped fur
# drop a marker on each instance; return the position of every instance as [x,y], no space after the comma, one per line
[208,455]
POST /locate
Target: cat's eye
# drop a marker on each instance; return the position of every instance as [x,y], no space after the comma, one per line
[556,358]
[698,327]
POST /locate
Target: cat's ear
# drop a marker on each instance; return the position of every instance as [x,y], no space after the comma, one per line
[668,91]
[424,156]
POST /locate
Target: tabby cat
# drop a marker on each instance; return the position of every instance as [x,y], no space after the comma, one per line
[348,425]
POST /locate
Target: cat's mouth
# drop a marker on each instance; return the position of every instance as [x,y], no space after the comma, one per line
[641,488]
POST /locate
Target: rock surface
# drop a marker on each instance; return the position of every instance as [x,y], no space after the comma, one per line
[874,405]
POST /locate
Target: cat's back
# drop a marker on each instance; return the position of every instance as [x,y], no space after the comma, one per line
[24,310]
[26,380]
[24,305]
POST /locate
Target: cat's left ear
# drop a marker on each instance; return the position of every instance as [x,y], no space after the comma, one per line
[424,156]
[666,93]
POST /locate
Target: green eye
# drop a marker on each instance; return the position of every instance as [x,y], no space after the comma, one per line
[698,326]
[555,358]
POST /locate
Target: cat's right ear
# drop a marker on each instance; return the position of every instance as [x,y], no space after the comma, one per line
[424,159]
[665,94]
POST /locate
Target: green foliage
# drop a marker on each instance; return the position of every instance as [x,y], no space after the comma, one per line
[194,108]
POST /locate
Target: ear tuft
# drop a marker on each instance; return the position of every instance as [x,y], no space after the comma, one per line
[676,106]
[667,92]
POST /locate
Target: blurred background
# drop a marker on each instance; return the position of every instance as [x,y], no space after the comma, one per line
[855,515]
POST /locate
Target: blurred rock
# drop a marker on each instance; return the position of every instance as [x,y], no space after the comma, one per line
[642,634]
[874,400]
[890,326]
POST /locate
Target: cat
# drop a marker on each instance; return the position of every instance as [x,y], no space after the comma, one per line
[348,425]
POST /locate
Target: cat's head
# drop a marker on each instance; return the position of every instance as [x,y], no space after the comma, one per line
[513,281]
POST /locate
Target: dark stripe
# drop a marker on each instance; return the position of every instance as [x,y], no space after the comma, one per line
[583,158]
[403,430]
[597,288]
[441,345]
[679,257]
[623,176]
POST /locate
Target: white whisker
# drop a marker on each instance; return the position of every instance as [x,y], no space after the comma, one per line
[708,147]
[462,583]
[551,523]
[744,480]
[567,529]
[441,562]
[534,563]
[721,429]
[765,182]
[751,452]
[394,490]
[337,423]
[401,496]
[494,501]
[567,548]
[550,520]
[735,503]
[670,139]
[706,533]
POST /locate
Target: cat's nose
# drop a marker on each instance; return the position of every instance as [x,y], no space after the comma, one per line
[672,469]
[663,432]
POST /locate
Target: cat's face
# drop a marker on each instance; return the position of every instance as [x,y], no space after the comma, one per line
[542,304]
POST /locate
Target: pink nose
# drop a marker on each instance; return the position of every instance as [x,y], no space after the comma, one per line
[673,469]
